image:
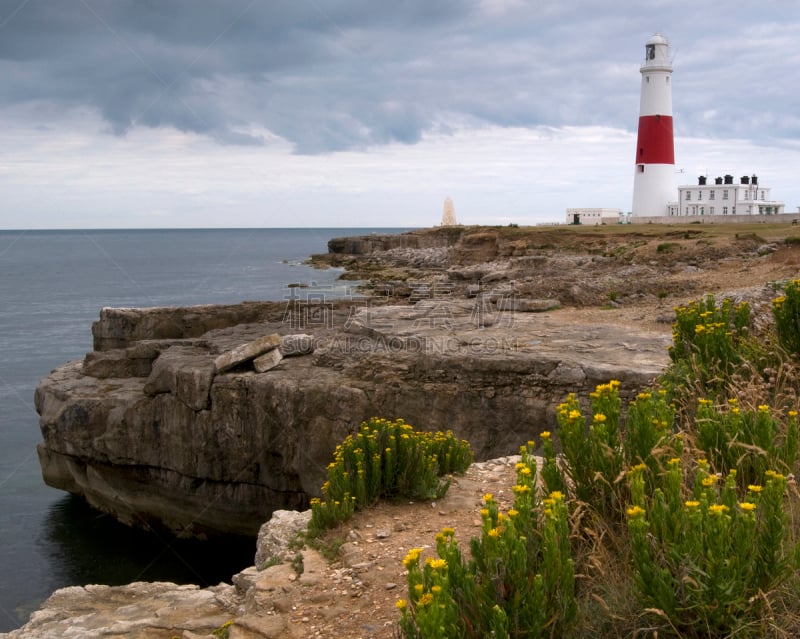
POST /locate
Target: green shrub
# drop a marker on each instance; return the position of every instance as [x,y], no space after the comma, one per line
[710,339]
[520,581]
[386,460]
[704,562]
[786,310]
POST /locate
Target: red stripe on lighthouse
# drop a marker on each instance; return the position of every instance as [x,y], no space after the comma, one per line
[654,144]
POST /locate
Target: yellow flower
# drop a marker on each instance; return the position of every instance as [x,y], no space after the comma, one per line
[792,413]
[418,589]
[525,471]
[692,504]
[545,434]
[448,532]
[401,604]
[708,481]
[494,533]
[484,512]
[635,511]
[425,599]
[599,417]
[518,490]
[674,461]
[519,465]
[557,495]
[574,414]
[436,563]
[513,513]
[717,509]
[436,589]
[763,408]
[755,488]
[488,497]
[747,506]
[412,556]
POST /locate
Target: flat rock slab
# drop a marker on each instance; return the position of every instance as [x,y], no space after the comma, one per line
[267,361]
[246,352]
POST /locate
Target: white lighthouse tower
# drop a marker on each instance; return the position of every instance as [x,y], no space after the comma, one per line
[654,181]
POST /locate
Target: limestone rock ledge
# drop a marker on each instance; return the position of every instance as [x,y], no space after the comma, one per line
[148,428]
[136,611]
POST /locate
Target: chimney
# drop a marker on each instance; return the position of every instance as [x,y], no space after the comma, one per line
[745,179]
[701,180]
[728,179]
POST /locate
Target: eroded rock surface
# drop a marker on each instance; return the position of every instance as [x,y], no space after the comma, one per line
[196,440]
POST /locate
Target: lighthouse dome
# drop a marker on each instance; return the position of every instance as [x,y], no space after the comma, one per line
[657,38]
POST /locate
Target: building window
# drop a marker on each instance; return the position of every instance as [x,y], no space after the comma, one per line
[724,210]
[762,195]
[699,195]
[711,210]
[711,195]
[688,195]
[747,195]
[725,194]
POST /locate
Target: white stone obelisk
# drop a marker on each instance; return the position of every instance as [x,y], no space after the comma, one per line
[448,213]
[654,180]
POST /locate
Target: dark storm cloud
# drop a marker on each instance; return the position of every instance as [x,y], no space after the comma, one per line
[339,74]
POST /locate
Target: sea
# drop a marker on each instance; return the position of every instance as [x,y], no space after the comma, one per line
[52,287]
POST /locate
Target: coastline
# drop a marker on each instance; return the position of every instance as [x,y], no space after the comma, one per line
[649,312]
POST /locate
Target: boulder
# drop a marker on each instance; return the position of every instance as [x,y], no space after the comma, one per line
[298,344]
[246,352]
[275,536]
[267,361]
[186,372]
[524,305]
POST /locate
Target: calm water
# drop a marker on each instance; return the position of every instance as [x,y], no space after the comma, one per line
[52,286]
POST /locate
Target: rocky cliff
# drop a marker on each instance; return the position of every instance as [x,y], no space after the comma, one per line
[204,420]
[176,421]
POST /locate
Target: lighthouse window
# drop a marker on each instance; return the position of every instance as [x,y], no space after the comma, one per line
[651,52]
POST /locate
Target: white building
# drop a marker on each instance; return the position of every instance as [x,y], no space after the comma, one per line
[723,197]
[594,217]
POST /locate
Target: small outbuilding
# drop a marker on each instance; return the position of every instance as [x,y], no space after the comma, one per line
[594,217]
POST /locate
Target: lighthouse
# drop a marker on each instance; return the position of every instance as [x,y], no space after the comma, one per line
[654,180]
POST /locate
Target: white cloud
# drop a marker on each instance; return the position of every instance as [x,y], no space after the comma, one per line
[517,110]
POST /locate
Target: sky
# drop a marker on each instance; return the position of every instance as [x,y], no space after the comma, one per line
[356,113]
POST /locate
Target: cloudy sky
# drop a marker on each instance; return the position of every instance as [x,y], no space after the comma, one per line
[261,113]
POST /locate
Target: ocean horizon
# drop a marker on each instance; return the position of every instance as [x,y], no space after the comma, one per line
[53,283]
